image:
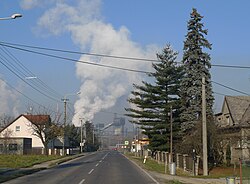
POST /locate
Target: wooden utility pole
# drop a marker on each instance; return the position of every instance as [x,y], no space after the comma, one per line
[204,128]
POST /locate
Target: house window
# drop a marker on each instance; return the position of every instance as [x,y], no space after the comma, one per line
[13,147]
[1,147]
[18,128]
[228,120]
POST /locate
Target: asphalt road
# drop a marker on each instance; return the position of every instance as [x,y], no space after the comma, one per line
[106,167]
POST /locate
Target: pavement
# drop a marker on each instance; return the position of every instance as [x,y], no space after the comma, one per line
[187,180]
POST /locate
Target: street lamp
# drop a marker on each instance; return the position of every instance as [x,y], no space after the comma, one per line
[14,16]
[65,99]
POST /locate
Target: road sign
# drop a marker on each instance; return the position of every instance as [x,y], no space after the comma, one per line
[126,143]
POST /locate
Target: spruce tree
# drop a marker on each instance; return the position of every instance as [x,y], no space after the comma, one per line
[196,64]
[153,101]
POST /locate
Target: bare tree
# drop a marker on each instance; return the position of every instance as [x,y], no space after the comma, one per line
[5,120]
[6,136]
[45,128]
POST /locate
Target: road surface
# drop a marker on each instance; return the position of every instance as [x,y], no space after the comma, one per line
[106,167]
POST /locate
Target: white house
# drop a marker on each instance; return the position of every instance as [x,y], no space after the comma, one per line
[22,127]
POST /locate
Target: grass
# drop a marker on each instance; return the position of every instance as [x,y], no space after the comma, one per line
[217,172]
[22,161]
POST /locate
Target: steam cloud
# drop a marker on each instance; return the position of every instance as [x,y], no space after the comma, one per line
[7,98]
[100,87]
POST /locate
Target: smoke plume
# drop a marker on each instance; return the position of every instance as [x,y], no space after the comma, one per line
[100,87]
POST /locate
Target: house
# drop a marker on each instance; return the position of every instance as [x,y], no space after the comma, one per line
[234,126]
[22,127]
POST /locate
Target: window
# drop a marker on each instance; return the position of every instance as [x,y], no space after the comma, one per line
[228,120]
[18,128]
[1,147]
[12,147]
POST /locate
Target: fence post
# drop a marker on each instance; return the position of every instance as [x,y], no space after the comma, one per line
[184,162]
[166,158]
[158,157]
[177,160]
[162,156]
[197,165]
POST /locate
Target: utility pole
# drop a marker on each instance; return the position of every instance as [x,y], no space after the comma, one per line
[204,128]
[64,124]
[171,134]
[93,134]
[81,137]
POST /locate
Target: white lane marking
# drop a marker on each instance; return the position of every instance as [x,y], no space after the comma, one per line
[104,156]
[100,161]
[97,164]
[142,170]
[83,180]
[91,171]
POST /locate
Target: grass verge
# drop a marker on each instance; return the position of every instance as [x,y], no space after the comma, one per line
[23,161]
[152,165]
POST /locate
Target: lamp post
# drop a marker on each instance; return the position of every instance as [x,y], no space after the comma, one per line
[14,16]
[65,99]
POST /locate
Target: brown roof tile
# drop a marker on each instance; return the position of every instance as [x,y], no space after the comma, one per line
[38,119]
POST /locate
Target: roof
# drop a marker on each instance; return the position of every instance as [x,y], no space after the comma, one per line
[38,119]
[35,119]
[238,107]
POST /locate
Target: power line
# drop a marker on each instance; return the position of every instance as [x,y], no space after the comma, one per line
[84,53]
[24,71]
[35,102]
[15,73]
[231,88]
[7,44]
[231,66]
[76,61]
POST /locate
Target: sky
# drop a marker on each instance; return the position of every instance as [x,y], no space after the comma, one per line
[131,28]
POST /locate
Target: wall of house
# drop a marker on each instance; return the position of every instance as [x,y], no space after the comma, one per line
[22,128]
[18,146]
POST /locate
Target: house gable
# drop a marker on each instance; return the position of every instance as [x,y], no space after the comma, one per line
[233,110]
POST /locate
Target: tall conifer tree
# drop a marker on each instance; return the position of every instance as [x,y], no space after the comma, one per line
[196,65]
[153,101]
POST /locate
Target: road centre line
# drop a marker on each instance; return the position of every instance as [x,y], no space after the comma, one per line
[97,164]
[105,156]
[83,180]
[91,171]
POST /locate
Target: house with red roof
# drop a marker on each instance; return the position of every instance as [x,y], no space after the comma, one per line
[23,127]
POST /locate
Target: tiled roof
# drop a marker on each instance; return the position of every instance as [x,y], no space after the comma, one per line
[238,106]
[246,117]
[38,119]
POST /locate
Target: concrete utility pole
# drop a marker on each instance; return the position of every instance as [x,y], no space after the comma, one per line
[171,134]
[64,124]
[204,128]
[81,137]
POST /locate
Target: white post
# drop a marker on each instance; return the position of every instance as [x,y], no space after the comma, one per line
[204,128]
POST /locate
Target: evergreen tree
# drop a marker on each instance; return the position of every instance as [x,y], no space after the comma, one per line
[196,65]
[153,101]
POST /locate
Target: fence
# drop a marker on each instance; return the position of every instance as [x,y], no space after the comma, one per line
[246,172]
[183,161]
